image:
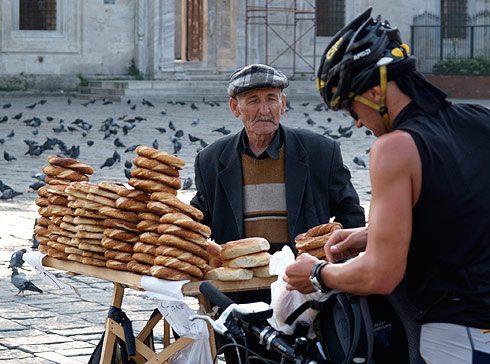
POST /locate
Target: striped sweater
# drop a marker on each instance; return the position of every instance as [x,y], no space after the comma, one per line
[264,200]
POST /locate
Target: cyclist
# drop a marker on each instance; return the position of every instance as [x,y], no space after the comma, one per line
[429,218]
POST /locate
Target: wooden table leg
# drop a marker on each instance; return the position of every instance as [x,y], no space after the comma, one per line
[109,337]
[204,303]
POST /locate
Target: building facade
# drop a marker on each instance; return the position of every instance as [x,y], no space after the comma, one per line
[51,41]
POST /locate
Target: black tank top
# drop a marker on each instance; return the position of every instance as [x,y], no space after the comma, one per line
[448,271]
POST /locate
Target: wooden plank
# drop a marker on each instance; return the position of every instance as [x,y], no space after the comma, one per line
[132,280]
[166,353]
[192,288]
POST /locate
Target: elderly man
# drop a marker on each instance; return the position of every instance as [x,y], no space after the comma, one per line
[269,180]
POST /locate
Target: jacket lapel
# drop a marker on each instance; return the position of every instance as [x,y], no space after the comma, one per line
[230,178]
[296,175]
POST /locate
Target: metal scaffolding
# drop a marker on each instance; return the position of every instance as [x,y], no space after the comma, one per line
[288,33]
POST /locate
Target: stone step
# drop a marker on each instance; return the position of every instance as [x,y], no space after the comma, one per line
[102,91]
[81,96]
[108,83]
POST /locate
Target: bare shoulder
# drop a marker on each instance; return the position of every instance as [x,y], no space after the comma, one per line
[395,149]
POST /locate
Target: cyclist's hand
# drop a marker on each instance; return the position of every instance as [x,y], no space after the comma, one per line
[297,274]
[345,243]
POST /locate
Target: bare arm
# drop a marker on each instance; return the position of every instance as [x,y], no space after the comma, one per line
[395,167]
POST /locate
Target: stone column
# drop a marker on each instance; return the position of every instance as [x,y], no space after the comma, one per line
[141,30]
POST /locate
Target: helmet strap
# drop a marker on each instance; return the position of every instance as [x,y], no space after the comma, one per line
[381,108]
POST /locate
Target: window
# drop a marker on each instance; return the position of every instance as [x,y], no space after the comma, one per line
[453,18]
[330,16]
[37,15]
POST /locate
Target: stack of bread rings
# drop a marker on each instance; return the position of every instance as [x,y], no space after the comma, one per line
[88,224]
[60,172]
[156,171]
[314,240]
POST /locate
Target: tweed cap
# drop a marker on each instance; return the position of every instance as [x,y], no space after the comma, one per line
[256,76]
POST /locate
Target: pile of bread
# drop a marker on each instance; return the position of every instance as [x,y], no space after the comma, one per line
[143,228]
[239,260]
[314,240]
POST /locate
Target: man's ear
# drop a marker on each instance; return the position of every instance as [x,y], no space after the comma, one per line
[283,100]
[234,106]
[374,94]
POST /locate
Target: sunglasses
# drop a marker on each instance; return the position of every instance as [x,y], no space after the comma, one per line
[348,107]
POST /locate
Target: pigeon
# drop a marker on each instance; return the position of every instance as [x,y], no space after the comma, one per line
[128,102]
[164,112]
[187,183]
[133,107]
[36,185]
[2,140]
[68,101]
[161,130]
[193,139]
[35,243]
[177,147]
[35,132]
[106,101]
[22,283]
[128,164]
[179,133]
[368,132]
[194,107]
[155,144]
[310,122]
[345,130]
[7,156]
[203,143]
[49,118]
[147,103]
[195,122]
[127,173]
[116,156]
[171,125]
[11,134]
[222,130]
[359,162]
[4,119]
[16,259]
[42,102]
[305,104]
[118,143]
[31,106]
[6,106]
[132,148]
[319,107]
[90,143]
[108,162]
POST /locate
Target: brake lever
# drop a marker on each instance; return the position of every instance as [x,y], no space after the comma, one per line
[219,324]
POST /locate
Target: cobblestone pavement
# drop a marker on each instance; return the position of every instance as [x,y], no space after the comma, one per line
[55,327]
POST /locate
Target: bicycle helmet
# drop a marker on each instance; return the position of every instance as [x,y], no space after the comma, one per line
[357,51]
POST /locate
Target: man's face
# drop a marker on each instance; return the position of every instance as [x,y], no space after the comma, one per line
[260,109]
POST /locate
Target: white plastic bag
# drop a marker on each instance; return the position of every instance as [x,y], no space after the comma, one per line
[284,302]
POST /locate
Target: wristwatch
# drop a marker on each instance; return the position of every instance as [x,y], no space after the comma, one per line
[315,277]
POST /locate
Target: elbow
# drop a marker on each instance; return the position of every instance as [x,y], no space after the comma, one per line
[383,283]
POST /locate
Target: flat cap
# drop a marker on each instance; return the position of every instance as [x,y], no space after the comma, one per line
[256,76]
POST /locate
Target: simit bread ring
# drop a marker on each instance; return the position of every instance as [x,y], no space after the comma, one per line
[43,191]
[117,245]
[59,210]
[160,208]
[69,219]
[116,264]
[86,220]
[101,199]
[144,173]
[148,226]
[150,185]
[58,200]
[128,204]
[94,261]
[56,190]
[149,237]
[118,255]
[186,222]
[140,247]
[172,262]
[42,201]
[323,229]
[161,156]
[121,224]
[119,214]
[149,216]
[64,173]
[70,163]
[122,235]
[182,233]
[155,165]
[307,243]
[174,241]
[173,201]
[43,221]
[135,194]
[112,187]
[96,190]
[89,214]
[144,258]
[169,273]
[180,254]
[93,255]
[137,267]
[57,181]
[91,228]
[317,252]
[96,248]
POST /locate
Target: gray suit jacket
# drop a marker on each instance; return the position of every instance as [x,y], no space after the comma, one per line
[317,185]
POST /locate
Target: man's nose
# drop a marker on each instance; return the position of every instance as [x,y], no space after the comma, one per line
[264,108]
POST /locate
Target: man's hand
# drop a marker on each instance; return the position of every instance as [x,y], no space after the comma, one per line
[297,274]
[346,243]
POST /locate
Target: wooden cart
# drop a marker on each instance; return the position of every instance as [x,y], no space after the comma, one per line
[123,280]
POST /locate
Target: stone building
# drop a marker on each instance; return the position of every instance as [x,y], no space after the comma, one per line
[55,43]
